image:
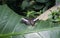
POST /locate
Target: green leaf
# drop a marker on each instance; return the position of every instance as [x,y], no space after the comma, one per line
[11,26]
[24,4]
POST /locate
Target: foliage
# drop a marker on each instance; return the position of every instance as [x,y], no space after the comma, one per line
[21,6]
[33,14]
[56,15]
[10,24]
